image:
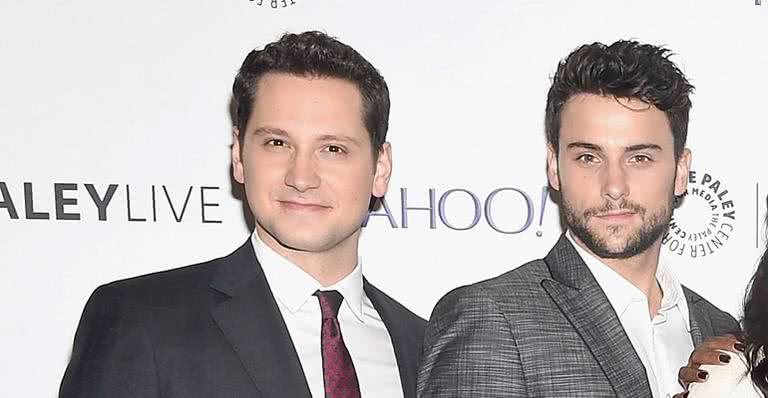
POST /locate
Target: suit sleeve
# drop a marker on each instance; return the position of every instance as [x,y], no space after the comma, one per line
[112,355]
[469,349]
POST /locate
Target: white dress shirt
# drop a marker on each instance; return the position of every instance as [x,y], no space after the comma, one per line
[731,380]
[362,329]
[663,342]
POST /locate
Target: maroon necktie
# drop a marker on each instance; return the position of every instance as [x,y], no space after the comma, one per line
[338,370]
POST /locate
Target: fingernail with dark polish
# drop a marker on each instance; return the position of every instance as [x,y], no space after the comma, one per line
[739,347]
[702,374]
[724,358]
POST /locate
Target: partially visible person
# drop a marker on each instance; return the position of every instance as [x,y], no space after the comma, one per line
[715,350]
[745,375]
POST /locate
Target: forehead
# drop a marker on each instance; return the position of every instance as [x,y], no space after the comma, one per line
[613,122]
[292,102]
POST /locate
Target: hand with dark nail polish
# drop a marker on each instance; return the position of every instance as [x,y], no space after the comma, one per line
[710,352]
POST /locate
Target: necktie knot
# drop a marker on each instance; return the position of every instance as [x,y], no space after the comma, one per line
[330,301]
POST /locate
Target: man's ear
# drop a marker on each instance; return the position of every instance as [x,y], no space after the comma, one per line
[683,167]
[383,171]
[552,175]
[237,161]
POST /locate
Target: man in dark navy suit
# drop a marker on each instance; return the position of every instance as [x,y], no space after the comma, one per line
[289,313]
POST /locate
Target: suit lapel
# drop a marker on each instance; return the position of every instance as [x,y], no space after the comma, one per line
[407,361]
[251,322]
[575,291]
[701,324]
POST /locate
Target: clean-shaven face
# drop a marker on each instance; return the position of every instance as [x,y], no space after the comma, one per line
[306,162]
[616,173]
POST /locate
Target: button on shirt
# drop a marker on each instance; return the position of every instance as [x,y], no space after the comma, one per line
[663,342]
[364,333]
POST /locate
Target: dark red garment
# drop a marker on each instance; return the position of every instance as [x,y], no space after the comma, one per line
[338,370]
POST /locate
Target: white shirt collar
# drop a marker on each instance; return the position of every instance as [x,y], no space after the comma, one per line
[621,293]
[293,287]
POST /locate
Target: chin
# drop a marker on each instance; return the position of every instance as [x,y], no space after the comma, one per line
[614,237]
[305,242]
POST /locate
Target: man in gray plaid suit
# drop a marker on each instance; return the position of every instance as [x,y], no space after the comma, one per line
[600,315]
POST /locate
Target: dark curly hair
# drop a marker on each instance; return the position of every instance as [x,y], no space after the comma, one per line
[625,69]
[755,325]
[318,55]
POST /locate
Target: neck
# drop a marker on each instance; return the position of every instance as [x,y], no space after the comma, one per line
[325,266]
[639,270]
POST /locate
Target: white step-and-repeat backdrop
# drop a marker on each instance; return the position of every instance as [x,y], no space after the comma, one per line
[114,143]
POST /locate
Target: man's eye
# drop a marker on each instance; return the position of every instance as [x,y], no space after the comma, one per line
[275,142]
[334,149]
[587,158]
[641,158]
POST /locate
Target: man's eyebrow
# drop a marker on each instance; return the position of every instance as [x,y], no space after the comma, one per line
[640,147]
[584,145]
[336,137]
[266,130]
[631,148]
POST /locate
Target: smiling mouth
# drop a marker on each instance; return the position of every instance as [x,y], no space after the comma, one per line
[302,206]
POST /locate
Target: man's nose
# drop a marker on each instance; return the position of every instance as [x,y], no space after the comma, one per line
[302,172]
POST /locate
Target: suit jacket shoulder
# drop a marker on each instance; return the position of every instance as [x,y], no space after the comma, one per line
[408,320]
[164,289]
[512,293]
[517,284]
[706,319]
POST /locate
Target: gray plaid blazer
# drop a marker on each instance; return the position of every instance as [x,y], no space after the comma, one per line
[545,329]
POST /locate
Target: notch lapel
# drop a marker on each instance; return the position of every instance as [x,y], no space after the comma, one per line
[251,321]
[577,294]
[701,324]
[407,361]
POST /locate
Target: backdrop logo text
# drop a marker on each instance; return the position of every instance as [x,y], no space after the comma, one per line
[109,202]
[507,210]
[705,221]
[274,4]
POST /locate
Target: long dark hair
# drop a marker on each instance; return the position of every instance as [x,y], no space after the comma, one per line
[755,325]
